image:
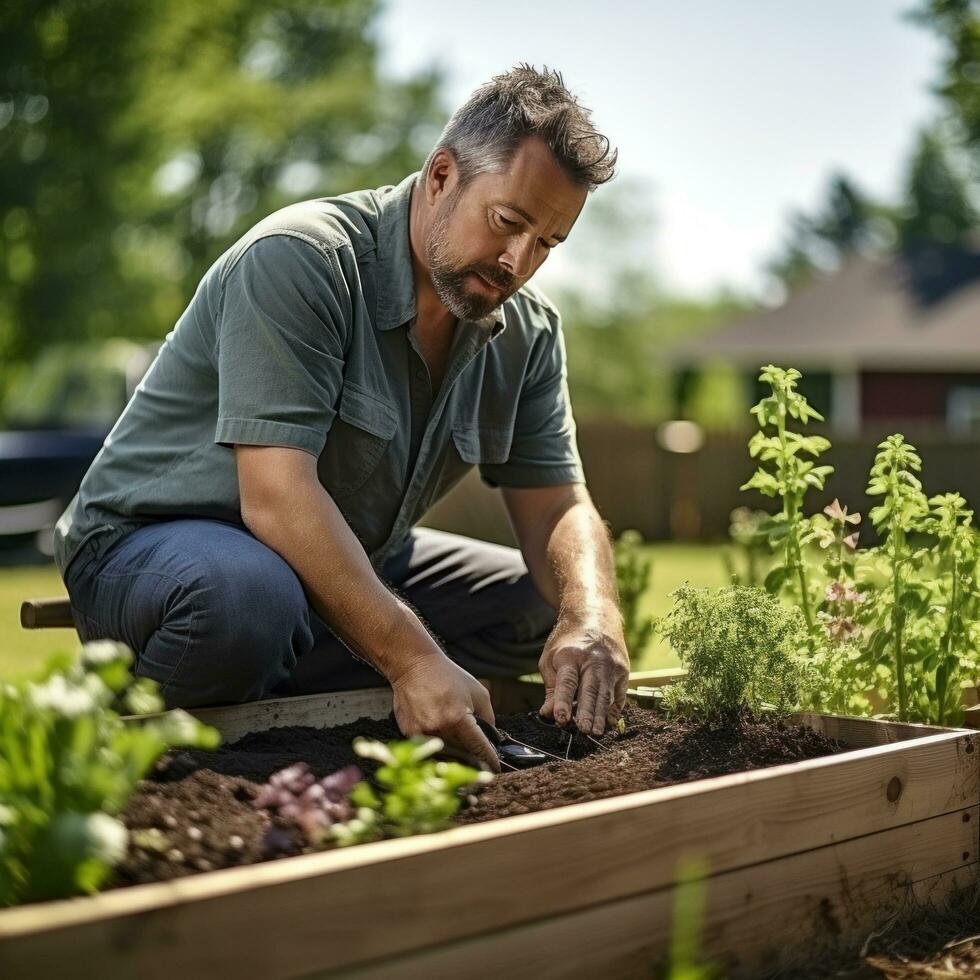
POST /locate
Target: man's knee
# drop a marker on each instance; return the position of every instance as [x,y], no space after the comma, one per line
[232,630]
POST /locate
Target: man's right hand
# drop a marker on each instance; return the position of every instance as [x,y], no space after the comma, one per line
[285,507]
[434,696]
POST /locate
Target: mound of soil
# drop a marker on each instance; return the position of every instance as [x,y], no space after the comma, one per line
[195,812]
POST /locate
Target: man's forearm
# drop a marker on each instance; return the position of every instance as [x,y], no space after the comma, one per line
[573,567]
[307,529]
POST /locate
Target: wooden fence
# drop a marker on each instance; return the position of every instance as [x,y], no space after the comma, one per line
[664,495]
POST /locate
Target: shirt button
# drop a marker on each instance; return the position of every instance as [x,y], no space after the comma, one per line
[420,375]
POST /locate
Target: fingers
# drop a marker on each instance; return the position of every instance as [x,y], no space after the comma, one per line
[482,706]
[547,709]
[566,684]
[618,700]
[602,707]
[587,696]
[467,736]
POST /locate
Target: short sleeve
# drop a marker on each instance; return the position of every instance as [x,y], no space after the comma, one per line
[280,343]
[543,450]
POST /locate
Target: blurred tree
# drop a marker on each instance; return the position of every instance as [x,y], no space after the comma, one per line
[616,367]
[847,221]
[958,23]
[719,398]
[138,140]
[619,319]
[937,196]
[70,70]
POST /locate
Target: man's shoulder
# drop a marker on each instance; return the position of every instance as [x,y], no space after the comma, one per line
[534,310]
[347,222]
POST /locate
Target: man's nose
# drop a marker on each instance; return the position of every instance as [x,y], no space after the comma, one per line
[519,255]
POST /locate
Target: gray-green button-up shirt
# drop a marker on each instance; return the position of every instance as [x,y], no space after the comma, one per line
[301,335]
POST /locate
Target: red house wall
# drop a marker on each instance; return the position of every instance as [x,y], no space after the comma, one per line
[901,395]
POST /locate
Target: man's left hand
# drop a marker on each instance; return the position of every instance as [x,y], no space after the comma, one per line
[588,661]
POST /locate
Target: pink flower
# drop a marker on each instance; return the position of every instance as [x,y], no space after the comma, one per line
[834,592]
[838,513]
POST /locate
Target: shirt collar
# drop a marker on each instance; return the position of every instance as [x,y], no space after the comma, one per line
[396,282]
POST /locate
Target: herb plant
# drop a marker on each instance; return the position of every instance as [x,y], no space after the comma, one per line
[902,509]
[955,601]
[68,764]
[745,653]
[413,793]
[843,673]
[788,470]
[633,573]
[295,795]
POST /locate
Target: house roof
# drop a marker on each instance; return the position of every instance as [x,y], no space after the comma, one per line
[919,311]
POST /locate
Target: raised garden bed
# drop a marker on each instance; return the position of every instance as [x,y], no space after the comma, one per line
[799,856]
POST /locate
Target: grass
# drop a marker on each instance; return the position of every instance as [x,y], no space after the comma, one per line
[23,651]
[673,565]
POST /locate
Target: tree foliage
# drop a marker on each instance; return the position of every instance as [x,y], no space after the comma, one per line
[847,221]
[138,140]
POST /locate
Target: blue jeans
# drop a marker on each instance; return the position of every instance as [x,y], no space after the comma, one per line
[216,617]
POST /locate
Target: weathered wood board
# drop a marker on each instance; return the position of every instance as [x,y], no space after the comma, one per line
[799,853]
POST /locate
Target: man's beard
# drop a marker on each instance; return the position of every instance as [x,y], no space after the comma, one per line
[450,280]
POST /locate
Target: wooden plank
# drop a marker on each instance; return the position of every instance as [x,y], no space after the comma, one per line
[315,710]
[657,678]
[340,707]
[36,614]
[865,732]
[773,915]
[389,898]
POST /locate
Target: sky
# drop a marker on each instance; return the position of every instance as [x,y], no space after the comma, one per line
[728,115]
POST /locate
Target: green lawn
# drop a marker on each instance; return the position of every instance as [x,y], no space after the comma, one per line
[21,651]
[673,565]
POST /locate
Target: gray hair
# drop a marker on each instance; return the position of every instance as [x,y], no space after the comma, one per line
[484,133]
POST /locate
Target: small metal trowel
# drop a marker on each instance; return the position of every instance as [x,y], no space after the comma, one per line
[509,750]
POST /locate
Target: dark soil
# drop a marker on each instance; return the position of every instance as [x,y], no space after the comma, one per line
[195,812]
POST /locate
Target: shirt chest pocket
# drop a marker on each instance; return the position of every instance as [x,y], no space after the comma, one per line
[482,444]
[359,437]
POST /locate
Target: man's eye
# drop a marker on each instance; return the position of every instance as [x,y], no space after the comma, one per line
[504,221]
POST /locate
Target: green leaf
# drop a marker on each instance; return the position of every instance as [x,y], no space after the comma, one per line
[776,578]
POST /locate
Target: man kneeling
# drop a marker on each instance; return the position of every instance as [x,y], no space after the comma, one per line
[249,526]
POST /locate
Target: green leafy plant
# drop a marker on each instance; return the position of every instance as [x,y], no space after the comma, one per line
[901,511]
[68,764]
[633,572]
[745,653]
[788,470]
[414,794]
[843,674]
[955,602]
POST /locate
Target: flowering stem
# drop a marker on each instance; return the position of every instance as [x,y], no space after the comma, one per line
[942,675]
[794,555]
[898,617]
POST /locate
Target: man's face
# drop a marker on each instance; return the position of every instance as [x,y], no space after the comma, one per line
[488,239]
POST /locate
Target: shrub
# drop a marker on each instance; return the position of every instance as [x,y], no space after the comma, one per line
[744,652]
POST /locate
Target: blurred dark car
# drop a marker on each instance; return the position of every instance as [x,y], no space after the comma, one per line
[58,414]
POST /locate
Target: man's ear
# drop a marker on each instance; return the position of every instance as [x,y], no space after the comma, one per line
[442,177]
